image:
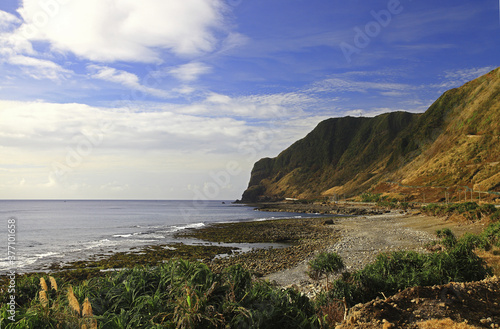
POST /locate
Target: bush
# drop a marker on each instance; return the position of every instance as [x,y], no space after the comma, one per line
[370,197]
[447,237]
[475,241]
[432,209]
[470,210]
[325,264]
[492,234]
[488,209]
[387,204]
[495,216]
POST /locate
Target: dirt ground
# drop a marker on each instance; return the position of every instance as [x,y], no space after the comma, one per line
[454,305]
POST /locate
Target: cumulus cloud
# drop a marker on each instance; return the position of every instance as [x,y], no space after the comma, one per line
[125,30]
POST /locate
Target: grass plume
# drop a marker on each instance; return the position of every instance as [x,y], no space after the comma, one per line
[53,283]
[73,302]
[43,284]
[87,308]
[43,298]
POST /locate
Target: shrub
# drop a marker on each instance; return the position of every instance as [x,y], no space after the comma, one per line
[370,197]
[470,210]
[473,241]
[488,209]
[495,216]
[492,234]
[447,237]
[325,264]
[387,204]
[432,209]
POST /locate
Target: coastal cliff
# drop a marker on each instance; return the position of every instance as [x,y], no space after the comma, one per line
[455,143]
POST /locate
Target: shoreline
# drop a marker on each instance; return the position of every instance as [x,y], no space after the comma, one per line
[262,245]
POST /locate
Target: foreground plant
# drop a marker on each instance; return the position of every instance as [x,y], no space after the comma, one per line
[178,294]
[52,308]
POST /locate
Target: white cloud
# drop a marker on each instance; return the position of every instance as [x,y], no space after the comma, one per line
[190,72]
[11,42]
[14,47]
[218,99]
[114,186]
[232,41]
[124,78]
[38,68]
[128,152]
[464,75]
[456,78]
[184,90]
[277,107]
[393,93]
[341,84]
[7,20]
[125,30]
[36,124]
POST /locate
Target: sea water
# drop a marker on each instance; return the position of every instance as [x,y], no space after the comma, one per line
[61,231]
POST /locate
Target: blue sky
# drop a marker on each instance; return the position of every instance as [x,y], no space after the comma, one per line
[157,99]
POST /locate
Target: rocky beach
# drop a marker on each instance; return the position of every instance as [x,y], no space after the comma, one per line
[357,239]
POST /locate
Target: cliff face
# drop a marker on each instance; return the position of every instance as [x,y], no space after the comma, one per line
[455,142]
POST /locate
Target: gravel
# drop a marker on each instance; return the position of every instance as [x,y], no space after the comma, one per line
[361,240]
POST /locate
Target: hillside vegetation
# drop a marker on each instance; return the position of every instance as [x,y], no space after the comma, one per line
[454,144]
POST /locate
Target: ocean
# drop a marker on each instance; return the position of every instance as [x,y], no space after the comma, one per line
[61,231]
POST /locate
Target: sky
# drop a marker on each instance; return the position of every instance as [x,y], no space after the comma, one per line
[177,99]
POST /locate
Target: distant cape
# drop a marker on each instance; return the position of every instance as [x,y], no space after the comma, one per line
[454,144]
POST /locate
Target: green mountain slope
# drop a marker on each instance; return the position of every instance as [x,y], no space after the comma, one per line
[455,142]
